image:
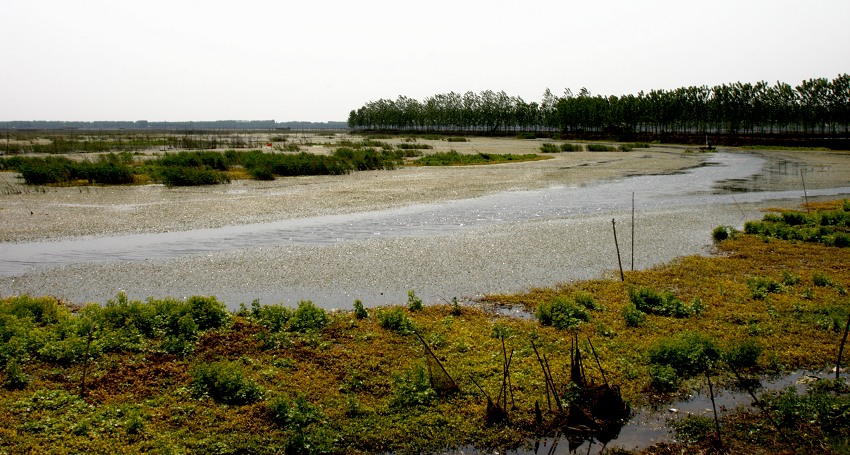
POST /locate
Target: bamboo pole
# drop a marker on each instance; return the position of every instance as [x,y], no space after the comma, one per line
[616,244]
[805,193]
[841,349]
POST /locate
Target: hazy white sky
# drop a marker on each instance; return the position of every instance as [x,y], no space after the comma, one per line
[316,60]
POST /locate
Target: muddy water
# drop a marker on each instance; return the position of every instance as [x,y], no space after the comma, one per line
[699,186]
[648,427]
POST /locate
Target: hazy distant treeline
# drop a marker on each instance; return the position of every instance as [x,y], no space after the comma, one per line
[817,106]
[179,126]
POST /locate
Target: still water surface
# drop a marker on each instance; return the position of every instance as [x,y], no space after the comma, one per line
[698,186]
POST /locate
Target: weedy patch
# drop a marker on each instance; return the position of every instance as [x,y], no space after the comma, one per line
[189,376]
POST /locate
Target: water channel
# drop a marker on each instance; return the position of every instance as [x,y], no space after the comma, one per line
[699,186]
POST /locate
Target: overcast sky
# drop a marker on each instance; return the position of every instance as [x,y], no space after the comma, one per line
[316,60]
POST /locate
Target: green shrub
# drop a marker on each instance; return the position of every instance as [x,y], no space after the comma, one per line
[567,147]
[16,379]
[308,317]
[224,382]
[526,135]
[549,148]
[414,303]
[189,176]
[359,310]
[789,280]
[650,301]
[760,287]
[721,233]
[273,317]
[39,310]
[743,355]
[457,139]
[295,414]
[633,316]
[207,312]
[396,320]
[585,299]
[689,353]
[412,390]
[662,377]
[561,313]
[600,148]
[821,279]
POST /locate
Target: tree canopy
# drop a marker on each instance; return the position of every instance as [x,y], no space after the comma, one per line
[815,106]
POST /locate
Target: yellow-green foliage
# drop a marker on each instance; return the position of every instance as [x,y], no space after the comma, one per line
[353,382]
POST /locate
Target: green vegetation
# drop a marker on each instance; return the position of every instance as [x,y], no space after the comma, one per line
[830,227]
[198,167]
[601,148]
[549,147]
[170,375]
[453,158]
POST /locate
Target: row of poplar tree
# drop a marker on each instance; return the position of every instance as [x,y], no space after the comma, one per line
[815,106]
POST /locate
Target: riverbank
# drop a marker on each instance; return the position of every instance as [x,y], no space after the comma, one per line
[502,257]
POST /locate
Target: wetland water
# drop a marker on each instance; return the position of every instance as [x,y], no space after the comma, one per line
[694,187]
[321,257]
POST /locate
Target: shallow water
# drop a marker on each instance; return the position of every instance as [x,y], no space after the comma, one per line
[698,186]
[648,427]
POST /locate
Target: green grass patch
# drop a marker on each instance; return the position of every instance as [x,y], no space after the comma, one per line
[453,158]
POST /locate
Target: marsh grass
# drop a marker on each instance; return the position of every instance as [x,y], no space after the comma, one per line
[365,375]
[453,158]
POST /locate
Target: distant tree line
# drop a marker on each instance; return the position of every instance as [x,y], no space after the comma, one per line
[815,106]
[168,126]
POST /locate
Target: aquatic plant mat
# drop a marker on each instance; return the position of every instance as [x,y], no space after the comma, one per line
[189,376]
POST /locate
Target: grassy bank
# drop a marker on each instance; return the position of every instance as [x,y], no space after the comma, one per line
[170,375]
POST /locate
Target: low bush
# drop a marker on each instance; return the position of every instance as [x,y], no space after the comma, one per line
[414,303]
[601,148]
[549,148]
[413,389]
[761,286]
[689,353]
[663,378]
[308,317]
[292,414]
[396,320]
[567,147]
[561,313]
[224,382]
[650,301]
[821,279]
[632,316]
[743,355]
[721,233]
[359,310]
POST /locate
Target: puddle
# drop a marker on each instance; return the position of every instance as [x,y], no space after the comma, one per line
[650,426]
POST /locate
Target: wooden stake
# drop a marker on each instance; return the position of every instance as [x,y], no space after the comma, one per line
[805,194]
[616,244]
[633,231]
[841,349]
[714,407]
